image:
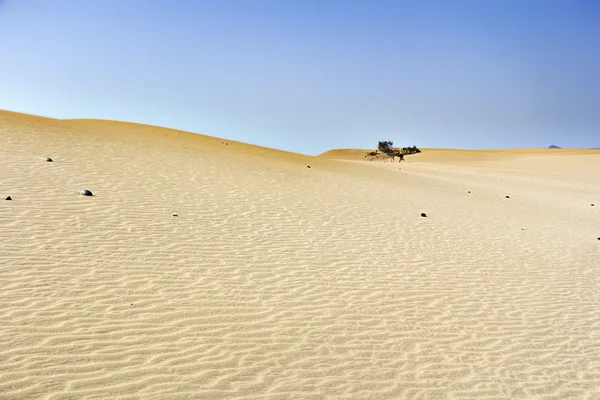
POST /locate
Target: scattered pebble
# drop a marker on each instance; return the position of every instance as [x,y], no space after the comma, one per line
[423,215]
[9,198]
[508,197]
[86,192]
[174,214]
[48,159]
[469,191]
[308,166]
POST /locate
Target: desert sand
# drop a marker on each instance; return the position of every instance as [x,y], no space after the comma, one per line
[279,281]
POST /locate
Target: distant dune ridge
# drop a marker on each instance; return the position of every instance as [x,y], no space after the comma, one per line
[281,281]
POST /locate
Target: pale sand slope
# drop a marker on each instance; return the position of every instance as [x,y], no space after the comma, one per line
[278,281]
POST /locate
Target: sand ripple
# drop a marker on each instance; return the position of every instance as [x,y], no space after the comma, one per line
[277,281]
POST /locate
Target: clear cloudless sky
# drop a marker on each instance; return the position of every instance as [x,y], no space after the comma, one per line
[312,75]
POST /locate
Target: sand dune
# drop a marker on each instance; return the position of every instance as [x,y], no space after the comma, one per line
[280,281]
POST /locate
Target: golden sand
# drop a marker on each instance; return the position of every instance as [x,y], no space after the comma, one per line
[279,281]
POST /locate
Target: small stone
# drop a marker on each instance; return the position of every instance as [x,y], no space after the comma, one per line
[469,191]
[9,198]
[48,159]
[508,197]
[174,214]
[592,204]
[308,166]
[423,215]
[86,192]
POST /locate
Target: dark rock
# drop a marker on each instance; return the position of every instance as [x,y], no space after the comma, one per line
[9,198]
[48,159]
[592,204]
[308,166]
[86,192]
[423,215]
[174,214]
[469,191]
[508,197]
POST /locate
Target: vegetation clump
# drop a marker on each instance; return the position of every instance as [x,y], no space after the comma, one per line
[387,149]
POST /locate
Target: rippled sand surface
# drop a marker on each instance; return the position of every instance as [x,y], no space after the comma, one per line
[279,281]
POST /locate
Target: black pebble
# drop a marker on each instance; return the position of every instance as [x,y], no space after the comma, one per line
[508,197]
[469,191]
[592,204]
[308,166]
[423,215]
[86,192]
[9,198]
[48,159]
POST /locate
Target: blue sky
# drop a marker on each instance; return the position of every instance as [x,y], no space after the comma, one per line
[308,76]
